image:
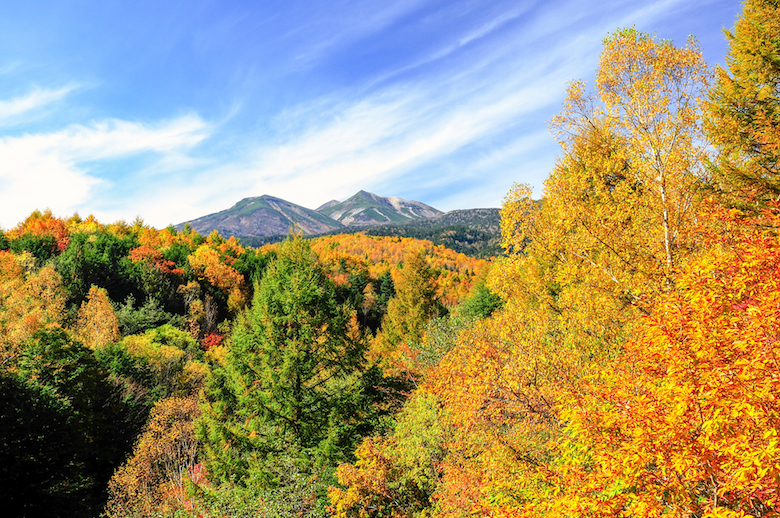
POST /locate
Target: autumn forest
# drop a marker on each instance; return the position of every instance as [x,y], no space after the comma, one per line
[618,359]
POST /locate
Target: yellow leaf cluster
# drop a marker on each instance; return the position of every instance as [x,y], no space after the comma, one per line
[154,479]
[28,302]
[97,324]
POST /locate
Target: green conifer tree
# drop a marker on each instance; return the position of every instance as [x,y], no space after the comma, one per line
[291,384]
[417,300]
[744,109]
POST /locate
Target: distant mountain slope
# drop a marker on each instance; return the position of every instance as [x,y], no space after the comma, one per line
[264,216]
[365,208]
[474,232]
[266,219]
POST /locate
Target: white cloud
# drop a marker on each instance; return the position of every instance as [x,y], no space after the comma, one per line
[47,170]
[37,98]
[503,75]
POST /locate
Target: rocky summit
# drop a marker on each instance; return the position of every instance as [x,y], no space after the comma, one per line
[365,208]
[265,216]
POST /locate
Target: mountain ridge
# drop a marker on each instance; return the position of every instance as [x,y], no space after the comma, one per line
[366,208]
[266,215]
[267,219]
[263,216]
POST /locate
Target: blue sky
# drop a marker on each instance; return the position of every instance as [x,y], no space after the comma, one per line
[170,110]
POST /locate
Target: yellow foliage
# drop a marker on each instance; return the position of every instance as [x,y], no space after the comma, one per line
[87,226]
[174,371]
[217,355]
[154,479]
[10,267]
[194,374]
[617,219]
[97,323]
[744,110]
[377,255]
[27,303]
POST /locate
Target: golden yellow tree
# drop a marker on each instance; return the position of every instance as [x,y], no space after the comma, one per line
[28,302]
[97,324]
[619,211]
[621,198]
[618,217]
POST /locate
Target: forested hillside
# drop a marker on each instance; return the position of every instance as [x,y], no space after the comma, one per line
[620,359]
[632,371]
[473,232]
[111,331]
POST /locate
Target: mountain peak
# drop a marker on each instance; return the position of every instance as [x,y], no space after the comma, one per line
[263,216]
[266,215]
[366,208]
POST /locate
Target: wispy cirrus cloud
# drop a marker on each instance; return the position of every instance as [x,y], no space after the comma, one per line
[446,102]
[36,98]
[420,124]
[53,170]
[335,26]
[333,146]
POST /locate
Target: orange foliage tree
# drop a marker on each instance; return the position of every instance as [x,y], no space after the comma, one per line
[43,224]
[213,264]
[685,422]
[153,258]
[27,303]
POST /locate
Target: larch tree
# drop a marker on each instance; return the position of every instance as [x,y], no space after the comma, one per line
[291,374]
[97,324]
[416,302]
[744,109]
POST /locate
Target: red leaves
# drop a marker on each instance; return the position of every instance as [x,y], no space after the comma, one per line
[154,259]
[212,340]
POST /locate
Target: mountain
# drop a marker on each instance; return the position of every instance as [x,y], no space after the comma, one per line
[266,219]
[264,216]
[365,208]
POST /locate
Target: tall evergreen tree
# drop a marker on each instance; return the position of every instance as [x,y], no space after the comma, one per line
[291,384]
[416,302]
